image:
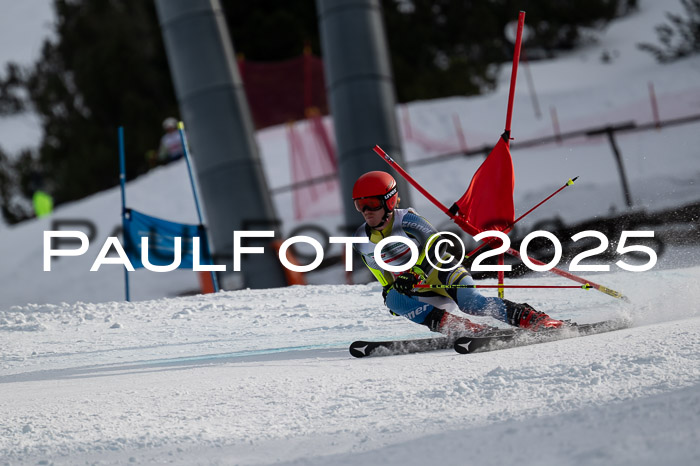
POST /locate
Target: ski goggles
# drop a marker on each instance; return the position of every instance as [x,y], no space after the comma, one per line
[373,203]
[369,203]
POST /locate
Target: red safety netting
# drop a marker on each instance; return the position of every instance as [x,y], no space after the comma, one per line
[280,92]
[312,155]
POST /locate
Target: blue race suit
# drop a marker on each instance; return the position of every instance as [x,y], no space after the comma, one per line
[419,307]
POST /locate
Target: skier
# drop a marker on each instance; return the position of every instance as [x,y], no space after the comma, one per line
[170,148]
[376,196]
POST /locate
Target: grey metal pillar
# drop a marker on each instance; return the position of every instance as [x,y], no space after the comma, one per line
[221,133]
[360,91]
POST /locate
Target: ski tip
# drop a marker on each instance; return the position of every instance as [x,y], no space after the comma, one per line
[360,349]
[463,345]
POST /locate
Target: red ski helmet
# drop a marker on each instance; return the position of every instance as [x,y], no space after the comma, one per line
[375,190]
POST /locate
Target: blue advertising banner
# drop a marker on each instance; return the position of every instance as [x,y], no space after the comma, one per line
[161,236]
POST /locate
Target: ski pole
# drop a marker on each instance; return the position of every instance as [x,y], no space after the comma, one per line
[570,182]
[570,276]
[186,153]
[585,286]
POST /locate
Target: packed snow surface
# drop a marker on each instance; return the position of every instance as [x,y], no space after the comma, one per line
[261,376]
[264,376]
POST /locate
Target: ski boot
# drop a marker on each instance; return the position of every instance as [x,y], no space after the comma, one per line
[524,316]
[453,325]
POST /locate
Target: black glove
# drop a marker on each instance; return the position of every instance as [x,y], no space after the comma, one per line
[404,283]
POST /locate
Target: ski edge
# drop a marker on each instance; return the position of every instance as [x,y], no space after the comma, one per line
[468,345]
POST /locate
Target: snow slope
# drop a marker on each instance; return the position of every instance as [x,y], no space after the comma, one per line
[261,376]
[264,376]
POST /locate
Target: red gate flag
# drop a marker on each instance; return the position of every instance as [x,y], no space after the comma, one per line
[488,203]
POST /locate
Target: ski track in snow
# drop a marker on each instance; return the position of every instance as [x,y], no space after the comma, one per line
[264,376]
[190,380]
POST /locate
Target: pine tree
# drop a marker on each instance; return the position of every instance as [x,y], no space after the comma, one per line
[680,38]
[106,68]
